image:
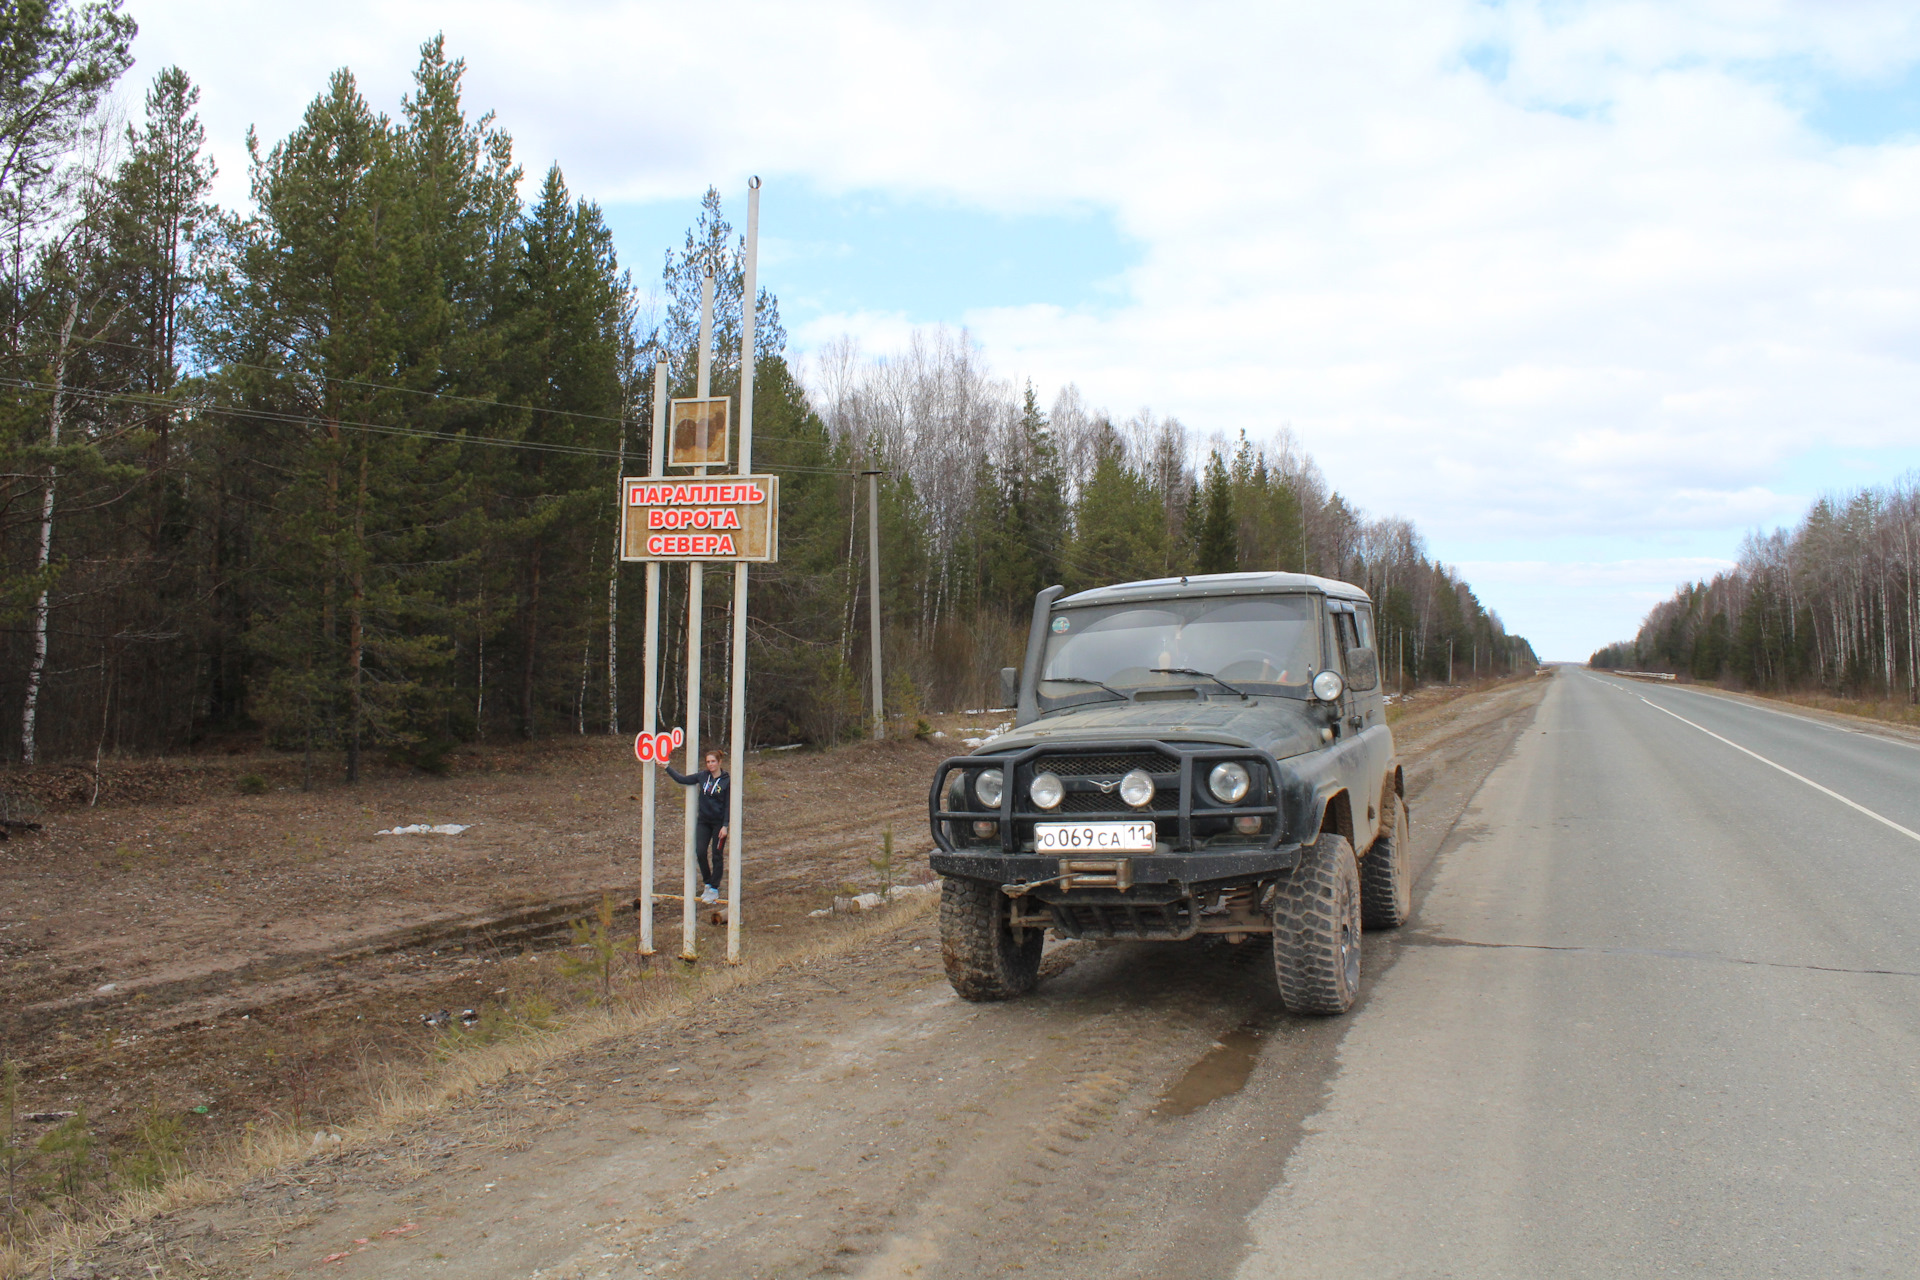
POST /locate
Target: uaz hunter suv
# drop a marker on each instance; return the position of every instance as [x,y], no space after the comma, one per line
[1200,755]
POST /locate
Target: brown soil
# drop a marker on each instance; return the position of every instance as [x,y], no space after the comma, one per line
[262,950]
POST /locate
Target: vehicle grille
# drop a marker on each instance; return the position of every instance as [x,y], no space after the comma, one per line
[1096,766]
[1094,802]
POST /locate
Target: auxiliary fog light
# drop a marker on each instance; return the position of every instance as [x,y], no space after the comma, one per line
[1229,781]
[1047,791]
[1246,824]
[1137,788]
[986,830]
[986,786]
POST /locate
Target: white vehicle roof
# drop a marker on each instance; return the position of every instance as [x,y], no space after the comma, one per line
[1214,584]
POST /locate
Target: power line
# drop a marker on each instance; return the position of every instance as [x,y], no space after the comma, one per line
[388,386]
[377,428]
[385,386]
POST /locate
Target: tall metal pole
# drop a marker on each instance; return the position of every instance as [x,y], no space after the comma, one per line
[650,718]
[873,595]
[696,581]
[737,726]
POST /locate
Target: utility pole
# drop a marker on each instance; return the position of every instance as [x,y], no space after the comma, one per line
[1449,661]
[873,594]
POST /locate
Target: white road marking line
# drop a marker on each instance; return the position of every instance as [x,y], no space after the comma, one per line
[1774,711]
[1826,791]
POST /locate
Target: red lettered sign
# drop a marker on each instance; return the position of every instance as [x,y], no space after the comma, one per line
[657,748]
[701,518]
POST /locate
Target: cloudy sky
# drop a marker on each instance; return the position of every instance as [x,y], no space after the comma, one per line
[1585,290]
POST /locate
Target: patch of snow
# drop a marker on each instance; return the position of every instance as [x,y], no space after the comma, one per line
[427,829]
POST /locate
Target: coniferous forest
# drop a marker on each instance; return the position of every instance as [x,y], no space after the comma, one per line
[338,469]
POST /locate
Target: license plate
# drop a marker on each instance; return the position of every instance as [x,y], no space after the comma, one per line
[1093,837]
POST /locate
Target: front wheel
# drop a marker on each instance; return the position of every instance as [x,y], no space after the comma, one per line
[984,961]
[1316,929]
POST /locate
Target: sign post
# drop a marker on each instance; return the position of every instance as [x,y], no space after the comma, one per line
[696,608]
[737,729]
[650,718]
[693,519]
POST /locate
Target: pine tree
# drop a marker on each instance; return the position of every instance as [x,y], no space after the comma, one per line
[565,374]
[353,618]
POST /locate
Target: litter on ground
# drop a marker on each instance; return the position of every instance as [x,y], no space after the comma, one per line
[427,829]
[874,901]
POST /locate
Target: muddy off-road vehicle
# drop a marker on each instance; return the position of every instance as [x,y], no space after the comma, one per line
[1189,756]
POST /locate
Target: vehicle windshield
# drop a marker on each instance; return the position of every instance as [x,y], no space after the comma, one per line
[1257,644]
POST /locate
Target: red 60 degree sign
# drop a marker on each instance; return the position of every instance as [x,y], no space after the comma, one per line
[657,748]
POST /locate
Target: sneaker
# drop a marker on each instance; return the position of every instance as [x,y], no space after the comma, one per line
[709,894]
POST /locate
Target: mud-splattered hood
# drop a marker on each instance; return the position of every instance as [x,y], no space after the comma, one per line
[1282,726]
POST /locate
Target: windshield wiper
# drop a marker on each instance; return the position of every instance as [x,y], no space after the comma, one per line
[1081,680]
[1204,675]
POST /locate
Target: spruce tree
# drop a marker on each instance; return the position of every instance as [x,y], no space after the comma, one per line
[1216,544]
[1120,528]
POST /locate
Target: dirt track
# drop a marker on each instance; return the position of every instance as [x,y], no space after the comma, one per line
[849,1116]
[263,950]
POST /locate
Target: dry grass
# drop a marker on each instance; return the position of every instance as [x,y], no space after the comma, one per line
[401,1098]
[1896,711]
[1424,698]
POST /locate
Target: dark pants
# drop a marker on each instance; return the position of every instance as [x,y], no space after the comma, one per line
[706,836]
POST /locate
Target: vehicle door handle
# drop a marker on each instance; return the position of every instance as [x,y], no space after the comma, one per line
[1355,721]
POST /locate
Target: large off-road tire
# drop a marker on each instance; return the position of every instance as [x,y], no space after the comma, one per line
[1316,929]
[976,942]
[1386,879]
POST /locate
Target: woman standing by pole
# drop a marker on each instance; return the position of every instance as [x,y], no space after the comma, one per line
[710,830]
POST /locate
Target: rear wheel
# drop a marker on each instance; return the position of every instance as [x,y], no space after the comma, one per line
[1386,879]
[1316,929]
[983,959]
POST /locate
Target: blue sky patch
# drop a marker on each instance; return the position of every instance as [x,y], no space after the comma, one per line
[1868,113]
[861,251]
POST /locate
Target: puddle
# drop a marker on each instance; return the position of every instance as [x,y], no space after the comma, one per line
[1220,1072]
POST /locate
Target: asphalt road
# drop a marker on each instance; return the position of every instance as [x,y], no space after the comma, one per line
[1658,1013]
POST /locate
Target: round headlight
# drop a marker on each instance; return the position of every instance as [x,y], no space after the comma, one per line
[1327,686]
[1137,788]
[986,786]
[1046,790]
[1229,781]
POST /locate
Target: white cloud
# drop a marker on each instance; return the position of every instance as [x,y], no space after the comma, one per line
[1609,288]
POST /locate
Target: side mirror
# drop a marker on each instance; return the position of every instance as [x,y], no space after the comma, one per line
[1363,669]
[1009,686]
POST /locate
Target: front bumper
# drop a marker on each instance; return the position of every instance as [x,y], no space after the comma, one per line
[1148,877]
